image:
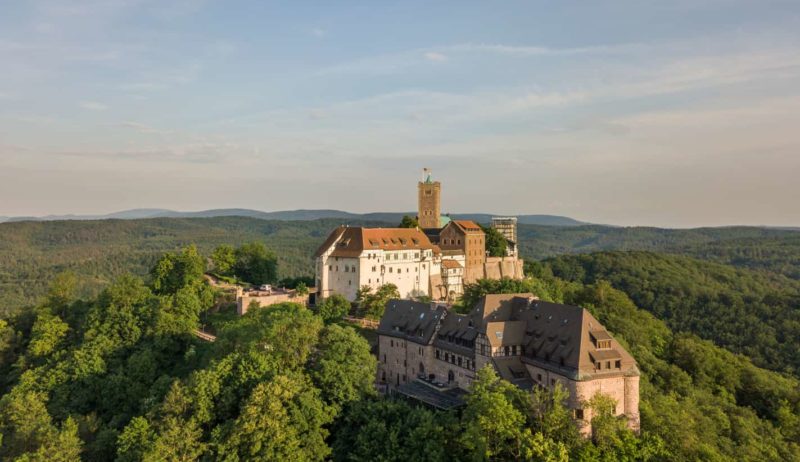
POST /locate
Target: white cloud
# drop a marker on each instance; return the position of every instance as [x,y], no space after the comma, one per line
[93,106]
[434,56]
[142,128]
[534,50]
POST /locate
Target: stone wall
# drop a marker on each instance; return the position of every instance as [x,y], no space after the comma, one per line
[624,390]
[495,268]
[243,301]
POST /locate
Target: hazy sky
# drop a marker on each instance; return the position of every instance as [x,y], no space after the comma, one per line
[667,113]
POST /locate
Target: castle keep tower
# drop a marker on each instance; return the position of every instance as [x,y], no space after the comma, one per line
[429,201]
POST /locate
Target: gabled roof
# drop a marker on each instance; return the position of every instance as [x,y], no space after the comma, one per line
[352,241]
[468,226]
[498,307]
[332,237]
[502,333]
[556,336]
[412,320]
[561,336]
[451,264]
[511,368]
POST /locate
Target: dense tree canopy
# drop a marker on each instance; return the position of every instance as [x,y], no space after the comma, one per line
[255,264]
[496,242]
[750,313]
[371,304]
[333,308]
[120,376]
[97,252]
[409,222]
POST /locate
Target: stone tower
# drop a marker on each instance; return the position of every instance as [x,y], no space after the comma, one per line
[429,202]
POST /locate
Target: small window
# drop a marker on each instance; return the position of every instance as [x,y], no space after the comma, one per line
[618,364]
[579,414]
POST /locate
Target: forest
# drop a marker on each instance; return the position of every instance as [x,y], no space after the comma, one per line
[753,313]
[119,376]
[100,251]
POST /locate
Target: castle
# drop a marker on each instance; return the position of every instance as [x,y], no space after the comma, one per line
[434,260]
[430,354]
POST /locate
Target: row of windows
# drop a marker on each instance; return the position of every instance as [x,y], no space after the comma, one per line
[455,359]
[347,269]
[599,365]
[397,256]
[539,380]
[508,350]
[459,341]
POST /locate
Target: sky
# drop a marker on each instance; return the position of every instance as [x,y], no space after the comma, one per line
[681,113]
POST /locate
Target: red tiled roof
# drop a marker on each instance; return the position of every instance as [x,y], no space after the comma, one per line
[350,242]
[468,226]
[449,264]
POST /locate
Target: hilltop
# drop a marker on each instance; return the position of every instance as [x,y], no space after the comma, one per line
[290,215]
[98,251]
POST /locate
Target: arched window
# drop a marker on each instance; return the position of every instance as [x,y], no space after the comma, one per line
[421,368]
[450,376]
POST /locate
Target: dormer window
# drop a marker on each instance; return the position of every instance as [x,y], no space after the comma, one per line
[601,339]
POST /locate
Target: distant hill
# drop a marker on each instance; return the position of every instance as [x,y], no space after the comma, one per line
[292,215]
[33,252]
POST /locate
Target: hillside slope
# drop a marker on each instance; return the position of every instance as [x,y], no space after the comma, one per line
[756,314]
[31,253]
[290,215]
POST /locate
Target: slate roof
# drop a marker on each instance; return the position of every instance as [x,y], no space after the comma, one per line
[411,320]
[450,398]
[511,368]
[561,338]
